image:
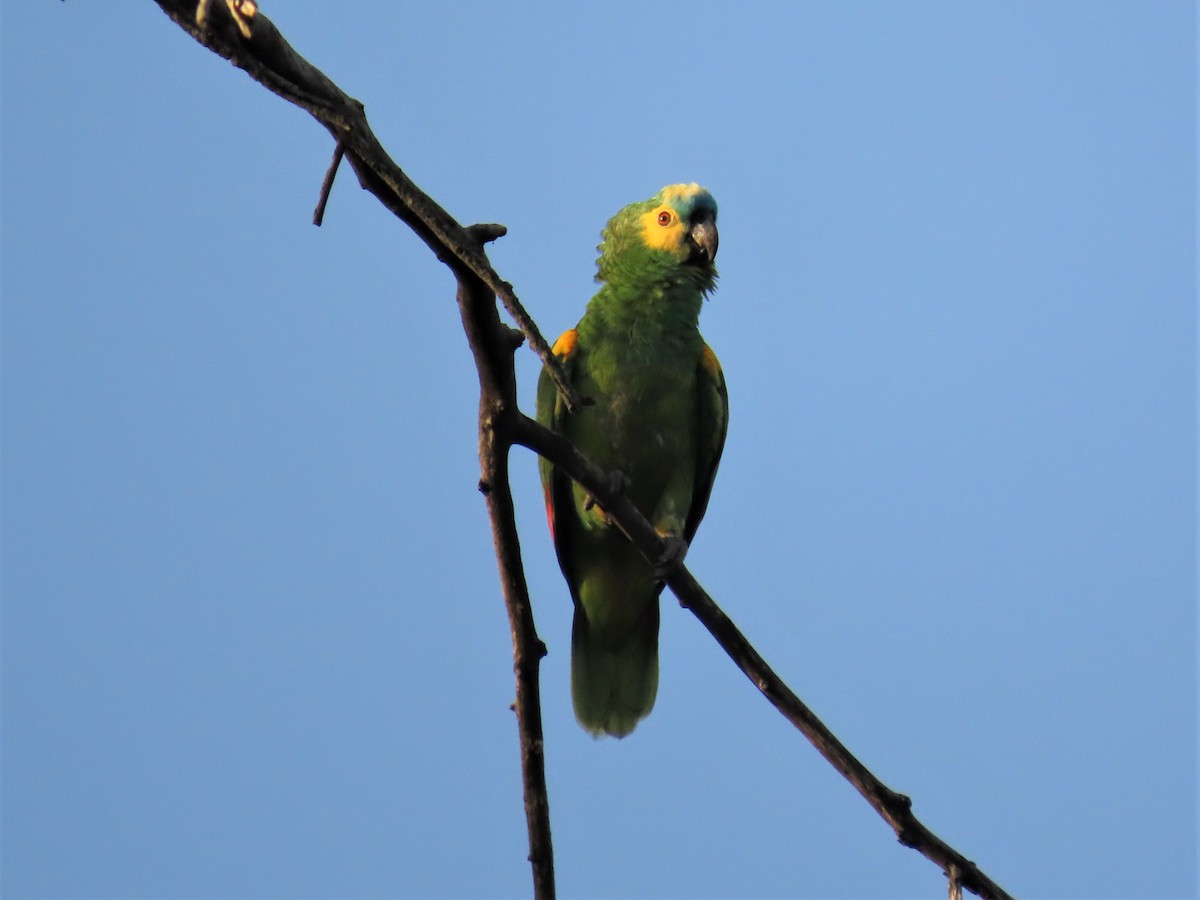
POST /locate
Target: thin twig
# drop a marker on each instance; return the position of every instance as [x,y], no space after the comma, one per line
[270,60]
[952,874]
[327,185]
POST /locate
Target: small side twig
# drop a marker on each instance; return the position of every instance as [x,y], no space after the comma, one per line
[250,41]
[327,185]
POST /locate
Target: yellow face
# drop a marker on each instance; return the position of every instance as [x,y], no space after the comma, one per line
[662,228]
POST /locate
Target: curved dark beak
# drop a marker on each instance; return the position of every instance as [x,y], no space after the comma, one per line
[702,238]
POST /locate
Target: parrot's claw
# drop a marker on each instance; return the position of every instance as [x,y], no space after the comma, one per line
[674,550]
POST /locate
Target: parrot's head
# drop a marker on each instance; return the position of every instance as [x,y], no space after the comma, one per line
[672,237]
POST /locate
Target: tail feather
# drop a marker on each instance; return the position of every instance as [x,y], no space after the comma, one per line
[614,681]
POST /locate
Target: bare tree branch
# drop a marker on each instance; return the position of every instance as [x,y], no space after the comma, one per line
[894,808]
[235,30]
[269,59]
[492,344]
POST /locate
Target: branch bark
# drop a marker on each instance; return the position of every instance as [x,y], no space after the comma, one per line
[270,60]
[235,30]
[493,344]
[893,807]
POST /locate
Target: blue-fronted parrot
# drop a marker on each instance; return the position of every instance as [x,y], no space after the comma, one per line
[659,418]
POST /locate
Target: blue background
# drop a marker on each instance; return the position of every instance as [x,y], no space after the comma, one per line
[253,644]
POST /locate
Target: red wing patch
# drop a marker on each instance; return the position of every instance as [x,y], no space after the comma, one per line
[549,510]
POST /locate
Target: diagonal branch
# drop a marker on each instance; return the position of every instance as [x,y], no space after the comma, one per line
[894,808]
[235,30]
[270,60]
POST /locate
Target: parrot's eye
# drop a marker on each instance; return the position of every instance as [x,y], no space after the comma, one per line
[664,218]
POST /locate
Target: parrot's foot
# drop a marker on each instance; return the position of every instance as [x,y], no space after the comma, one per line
[674,550]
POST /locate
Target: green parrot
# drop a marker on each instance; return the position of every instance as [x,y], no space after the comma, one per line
[659,418]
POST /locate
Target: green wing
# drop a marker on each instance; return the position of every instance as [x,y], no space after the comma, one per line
[556,487]
[712,421]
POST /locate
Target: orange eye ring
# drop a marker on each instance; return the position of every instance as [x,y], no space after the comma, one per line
[664,218]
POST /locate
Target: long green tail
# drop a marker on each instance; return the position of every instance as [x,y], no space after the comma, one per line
[614,681]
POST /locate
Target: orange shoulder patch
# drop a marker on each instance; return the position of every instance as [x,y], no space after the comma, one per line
[565,343]
[708,360]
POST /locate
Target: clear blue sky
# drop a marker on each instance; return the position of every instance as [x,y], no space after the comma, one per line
[253,644]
